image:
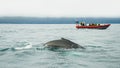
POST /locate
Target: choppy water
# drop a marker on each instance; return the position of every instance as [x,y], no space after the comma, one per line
[21,46]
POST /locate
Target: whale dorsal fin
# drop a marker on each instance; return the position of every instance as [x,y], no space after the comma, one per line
[65,39]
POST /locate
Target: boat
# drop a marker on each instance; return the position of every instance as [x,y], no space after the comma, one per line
[97,26]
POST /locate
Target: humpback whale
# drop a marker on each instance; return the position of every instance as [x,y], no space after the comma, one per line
[63,43]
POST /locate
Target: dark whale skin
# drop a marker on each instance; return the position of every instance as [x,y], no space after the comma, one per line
[63,43]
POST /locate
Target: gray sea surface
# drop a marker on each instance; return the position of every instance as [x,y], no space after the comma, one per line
[21,46]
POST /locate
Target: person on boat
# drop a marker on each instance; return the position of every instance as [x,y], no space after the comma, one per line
[90,24]
[82,23]
[94,24]
[98,24]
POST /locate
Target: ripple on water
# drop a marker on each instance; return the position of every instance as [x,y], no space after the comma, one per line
[102,47]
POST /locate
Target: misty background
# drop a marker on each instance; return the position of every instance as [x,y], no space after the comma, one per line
[55,20]
[59,11]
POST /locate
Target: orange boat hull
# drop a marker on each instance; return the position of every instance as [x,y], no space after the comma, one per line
[105,26]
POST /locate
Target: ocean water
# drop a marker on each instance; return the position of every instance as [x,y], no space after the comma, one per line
[21,46]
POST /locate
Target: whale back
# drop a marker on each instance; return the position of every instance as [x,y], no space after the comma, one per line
[63,43]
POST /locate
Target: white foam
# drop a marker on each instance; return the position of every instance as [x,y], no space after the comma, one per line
[28,46]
